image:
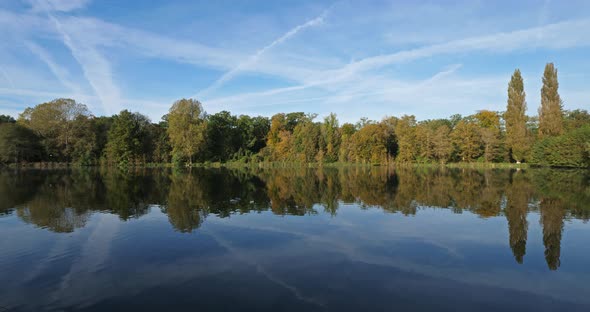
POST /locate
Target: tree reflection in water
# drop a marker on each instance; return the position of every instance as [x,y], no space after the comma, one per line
[62,201]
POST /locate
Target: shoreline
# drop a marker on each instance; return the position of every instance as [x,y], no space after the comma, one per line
[271,165]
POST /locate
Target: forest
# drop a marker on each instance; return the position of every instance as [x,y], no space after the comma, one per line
[65,131]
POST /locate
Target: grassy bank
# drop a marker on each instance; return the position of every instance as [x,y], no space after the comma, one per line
[236,164]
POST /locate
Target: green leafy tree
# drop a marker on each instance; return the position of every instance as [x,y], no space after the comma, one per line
[347,131]
[568,150]
[331,138]
[306,140]
[253,131]
[575,119]
[369,144]
[187,129]
[58,123]
[405,131]
[550,112]
[489,123]
[442,146]
[18,143]
[224,138]
[162,148]
[467,140]
[128,139]
[279,138]
[6,119]
[101,126]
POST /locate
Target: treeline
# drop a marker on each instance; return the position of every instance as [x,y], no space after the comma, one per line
[65,131]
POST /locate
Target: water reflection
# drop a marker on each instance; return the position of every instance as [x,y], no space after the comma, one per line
[62,201]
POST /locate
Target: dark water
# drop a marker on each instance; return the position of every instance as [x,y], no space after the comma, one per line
[350,239]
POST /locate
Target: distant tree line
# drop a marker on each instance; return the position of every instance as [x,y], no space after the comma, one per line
[65,131]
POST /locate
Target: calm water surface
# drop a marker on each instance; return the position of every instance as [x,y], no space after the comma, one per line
[348,239]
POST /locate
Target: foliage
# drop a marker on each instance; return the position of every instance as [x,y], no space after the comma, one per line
[568,150]
[515,118]
[18,143]
[6,119]
[550,112]
[128,139]
[62,125]
[186,129]
[467,140]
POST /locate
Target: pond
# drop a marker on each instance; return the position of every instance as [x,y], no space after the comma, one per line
[332,239]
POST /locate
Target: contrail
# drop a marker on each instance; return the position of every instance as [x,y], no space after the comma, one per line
[254,58]
[95,67]
[59,72]
[3,72]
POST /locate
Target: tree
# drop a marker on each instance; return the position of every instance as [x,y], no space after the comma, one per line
[18,143]
[83,148]
[369,144]
[516,130]
[467,140]
[405,131]
[293,119]
[57,123]
[575,119]
[423,142]
[550,112]
[6,119]
[101,126]
[489,124]
[306,140]
[331,137]
[186,129]
[128,139]
[442,146]
[568,150]
[347,130]
[223,136]
[162,148]
[253,131]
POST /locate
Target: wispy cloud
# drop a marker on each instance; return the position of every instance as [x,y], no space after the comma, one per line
[313,72]
[57,5]
[253,59]
[6,77]
[558,35]
[58,71]
[441,87]
[96,68]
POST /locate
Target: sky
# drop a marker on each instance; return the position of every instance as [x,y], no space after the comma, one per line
[357,59]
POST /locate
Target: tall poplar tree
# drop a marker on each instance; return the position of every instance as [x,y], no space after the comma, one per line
[516,130]
[550,112]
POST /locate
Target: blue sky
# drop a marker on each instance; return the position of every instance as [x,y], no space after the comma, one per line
[354,58]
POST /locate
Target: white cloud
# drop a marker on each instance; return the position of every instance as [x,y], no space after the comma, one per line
[96,68]
[556,36]
[6,77]
[355,87]
[60,72]
[57,5]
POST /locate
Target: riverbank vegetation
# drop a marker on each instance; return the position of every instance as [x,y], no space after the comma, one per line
[65,131]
